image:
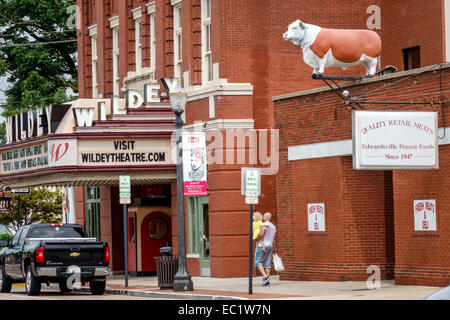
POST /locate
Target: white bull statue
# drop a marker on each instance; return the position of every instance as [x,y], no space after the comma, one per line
[335,47]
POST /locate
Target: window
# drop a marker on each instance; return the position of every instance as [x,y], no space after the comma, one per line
[207,73]
[151,10]
[411,58]
[193,217]
[115,53]
[94,68]
[138,25]
[23,235]
[93,212]
[114,25]
[178,49]
[152,42]
[137,16]
[15,239]
[56,232]
[157,228]
[94,53]
[198,224]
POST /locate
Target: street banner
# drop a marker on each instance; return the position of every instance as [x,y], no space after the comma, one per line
[194,164]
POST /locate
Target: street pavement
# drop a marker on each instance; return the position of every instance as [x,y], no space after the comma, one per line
[206,288]
[52,293]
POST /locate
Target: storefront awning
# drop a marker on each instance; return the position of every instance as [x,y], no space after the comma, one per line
[92,178]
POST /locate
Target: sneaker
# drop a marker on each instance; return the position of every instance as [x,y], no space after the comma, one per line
[267,284]
[265,280]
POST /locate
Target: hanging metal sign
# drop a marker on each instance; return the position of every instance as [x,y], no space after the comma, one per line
[387,140]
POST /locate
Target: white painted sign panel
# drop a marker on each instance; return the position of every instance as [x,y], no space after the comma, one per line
[385,140]
[62,152]
[316,217]
[425,215]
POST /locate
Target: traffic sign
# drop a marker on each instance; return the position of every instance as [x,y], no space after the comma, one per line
[251,182]
[21,191]
[251,200]
[124,183]
[125,189]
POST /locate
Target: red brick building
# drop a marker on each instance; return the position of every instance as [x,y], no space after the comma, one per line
[231,59]
[369,213]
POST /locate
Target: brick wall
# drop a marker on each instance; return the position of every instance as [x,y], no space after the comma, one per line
[422,258]
[369,214]
[419,23]
[247,43]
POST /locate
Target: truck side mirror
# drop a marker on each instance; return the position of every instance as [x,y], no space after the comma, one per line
[4,243]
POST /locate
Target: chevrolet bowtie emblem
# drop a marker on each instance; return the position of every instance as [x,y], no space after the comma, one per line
[75,254]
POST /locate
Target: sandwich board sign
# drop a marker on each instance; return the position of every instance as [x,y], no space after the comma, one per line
[125,189]
[251,184]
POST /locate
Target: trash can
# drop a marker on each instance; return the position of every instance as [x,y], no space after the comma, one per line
[166,268]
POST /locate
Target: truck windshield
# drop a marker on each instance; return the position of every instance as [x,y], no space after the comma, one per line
[57,232]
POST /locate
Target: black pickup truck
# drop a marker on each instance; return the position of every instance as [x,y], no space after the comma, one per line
[57,253]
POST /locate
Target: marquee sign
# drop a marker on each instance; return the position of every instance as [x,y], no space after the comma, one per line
[386,140]
[120,152]
[85,153]
[34,123]
[24,158]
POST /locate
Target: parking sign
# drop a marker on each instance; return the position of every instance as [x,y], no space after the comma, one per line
[125,189]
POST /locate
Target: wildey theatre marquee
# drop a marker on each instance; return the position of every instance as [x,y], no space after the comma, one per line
[88,142]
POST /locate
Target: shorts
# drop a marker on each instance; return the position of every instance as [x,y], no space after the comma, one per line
[264,258]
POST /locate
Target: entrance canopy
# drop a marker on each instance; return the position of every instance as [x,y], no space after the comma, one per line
[88,142]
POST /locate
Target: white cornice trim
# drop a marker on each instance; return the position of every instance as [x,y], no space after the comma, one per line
[175,2]
[220,124]
[137,13]
[114,22]
[226,89]
[151,7]
[92,30]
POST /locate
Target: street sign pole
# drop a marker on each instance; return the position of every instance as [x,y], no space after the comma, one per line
[251,188]
[125,236]
[125,198]
[250,254]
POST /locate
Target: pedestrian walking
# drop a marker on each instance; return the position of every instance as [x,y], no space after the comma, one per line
[266,248]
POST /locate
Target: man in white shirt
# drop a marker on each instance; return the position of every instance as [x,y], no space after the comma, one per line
[266,237]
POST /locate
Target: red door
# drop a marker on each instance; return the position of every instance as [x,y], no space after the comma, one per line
[156,232]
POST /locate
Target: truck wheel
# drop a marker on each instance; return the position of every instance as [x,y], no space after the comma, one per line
[97,287]
[6,284]
[32,284]
[63,287]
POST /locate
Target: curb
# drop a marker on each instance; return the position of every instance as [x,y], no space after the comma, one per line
[168,295]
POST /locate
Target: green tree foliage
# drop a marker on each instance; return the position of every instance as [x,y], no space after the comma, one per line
[39,75]
[41,205]
[5,236]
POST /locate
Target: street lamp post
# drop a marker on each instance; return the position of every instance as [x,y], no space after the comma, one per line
[182,280]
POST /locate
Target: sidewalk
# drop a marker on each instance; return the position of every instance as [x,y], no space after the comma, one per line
[237,289]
